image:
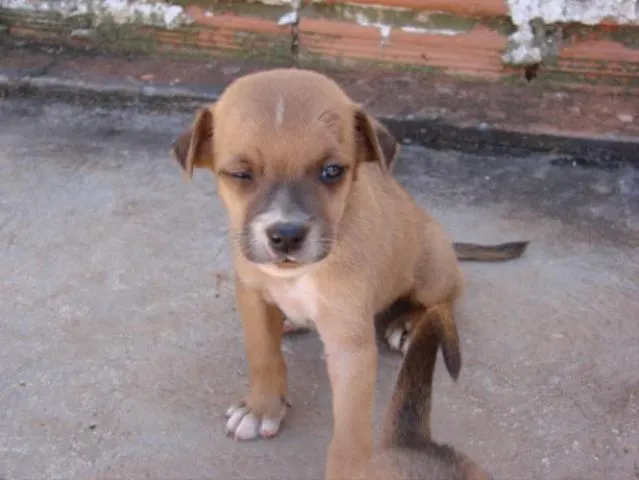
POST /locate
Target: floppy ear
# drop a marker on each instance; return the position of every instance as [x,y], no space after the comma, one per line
[374,141]
[194,147]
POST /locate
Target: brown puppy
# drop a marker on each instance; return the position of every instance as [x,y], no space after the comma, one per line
[406,451]
[320,232]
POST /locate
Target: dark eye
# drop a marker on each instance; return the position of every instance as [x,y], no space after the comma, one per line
[240,175]
[331,173]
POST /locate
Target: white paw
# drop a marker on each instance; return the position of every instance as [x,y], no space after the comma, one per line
[291,326]
[397,336]
[243,424]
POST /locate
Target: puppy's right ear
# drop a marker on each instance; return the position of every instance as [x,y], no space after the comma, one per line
[374,141]
[194,147]
[387,142]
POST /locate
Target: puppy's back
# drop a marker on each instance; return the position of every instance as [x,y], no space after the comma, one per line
[407,451]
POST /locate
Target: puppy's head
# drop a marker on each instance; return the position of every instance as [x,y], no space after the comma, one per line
[285,146]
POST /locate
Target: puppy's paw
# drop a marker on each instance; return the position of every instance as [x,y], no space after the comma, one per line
[291,327]
[397,336]
[246,423]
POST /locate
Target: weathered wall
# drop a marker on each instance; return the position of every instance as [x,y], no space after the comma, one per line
[505,32]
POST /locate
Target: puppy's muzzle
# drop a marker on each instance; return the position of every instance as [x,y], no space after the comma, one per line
[287,237]
[285,225]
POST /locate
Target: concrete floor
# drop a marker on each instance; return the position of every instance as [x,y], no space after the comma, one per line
[120,346]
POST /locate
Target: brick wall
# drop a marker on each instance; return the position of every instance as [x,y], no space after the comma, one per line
[587,40]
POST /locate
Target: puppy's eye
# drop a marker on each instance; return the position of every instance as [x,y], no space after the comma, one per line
[331,173]
[241,175]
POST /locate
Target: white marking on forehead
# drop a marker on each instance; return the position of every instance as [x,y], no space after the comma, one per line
[279,111]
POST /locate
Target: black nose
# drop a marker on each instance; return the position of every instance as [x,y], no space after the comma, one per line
[286,237]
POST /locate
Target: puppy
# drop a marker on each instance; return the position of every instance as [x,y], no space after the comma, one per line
[321,233]
[406,451]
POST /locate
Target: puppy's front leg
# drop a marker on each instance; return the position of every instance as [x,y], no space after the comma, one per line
[351,357]
[263,410]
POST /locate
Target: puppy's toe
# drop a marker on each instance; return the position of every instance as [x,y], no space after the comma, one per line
[291,327]
[235,415]
[271,424]
[244,424]
[405,344]
[247,429]
[397,336]
[394,337]
[234,408]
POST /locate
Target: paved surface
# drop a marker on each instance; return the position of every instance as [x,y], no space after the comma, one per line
[121,347]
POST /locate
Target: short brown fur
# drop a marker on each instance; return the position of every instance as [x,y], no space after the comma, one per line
[268,137]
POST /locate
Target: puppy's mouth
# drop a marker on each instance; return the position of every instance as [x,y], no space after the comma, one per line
[256,250]
[288,263]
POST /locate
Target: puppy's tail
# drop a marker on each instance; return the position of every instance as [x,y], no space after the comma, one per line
[489,253]
[407,421]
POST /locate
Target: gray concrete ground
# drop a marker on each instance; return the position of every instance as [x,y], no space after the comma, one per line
[120,346]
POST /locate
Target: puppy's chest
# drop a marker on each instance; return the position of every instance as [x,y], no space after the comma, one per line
[297,298]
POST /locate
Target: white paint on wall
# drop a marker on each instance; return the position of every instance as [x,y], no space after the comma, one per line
[526,48]
[157,14]
[64,7]
[276,2]
[523,48]
[149,13]
[588,12]
[431,31]
[288,18]
[384,28]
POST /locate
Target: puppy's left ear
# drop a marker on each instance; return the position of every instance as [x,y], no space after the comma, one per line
[374,142]
[194,147]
